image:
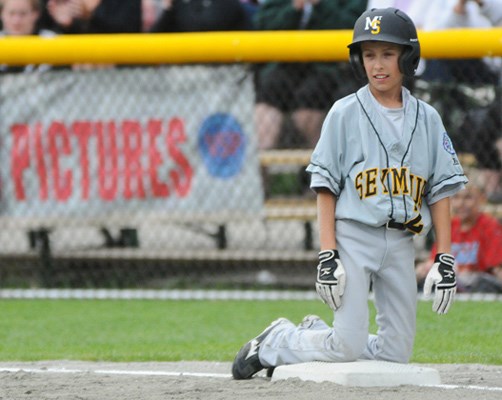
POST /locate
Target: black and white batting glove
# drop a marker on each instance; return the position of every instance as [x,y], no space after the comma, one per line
[442,275]
[330,282]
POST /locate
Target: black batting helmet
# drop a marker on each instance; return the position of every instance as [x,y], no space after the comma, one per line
[386,25]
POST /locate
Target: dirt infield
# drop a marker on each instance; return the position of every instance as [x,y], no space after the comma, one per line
[211,381]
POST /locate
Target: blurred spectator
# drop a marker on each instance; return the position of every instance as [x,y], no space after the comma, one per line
[491,10]
[480,128]
[150,12]
[100,16]
[402,5]
[19,17]
[476,244]
[202,16]
[293,98]
[448,14]
[250,7]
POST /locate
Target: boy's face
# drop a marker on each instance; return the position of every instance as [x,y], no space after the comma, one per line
[381,63]
[466,204]
[18,17]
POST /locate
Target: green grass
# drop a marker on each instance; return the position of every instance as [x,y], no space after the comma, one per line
[151,330]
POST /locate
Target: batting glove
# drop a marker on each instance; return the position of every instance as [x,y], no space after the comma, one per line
[442,276]
[330,282]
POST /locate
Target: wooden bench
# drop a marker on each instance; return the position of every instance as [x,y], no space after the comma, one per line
[298,157]
[124,226]
[290,208]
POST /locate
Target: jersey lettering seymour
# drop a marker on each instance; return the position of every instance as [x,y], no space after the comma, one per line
[397,181]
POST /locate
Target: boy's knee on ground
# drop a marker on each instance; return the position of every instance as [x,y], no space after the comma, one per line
[397,348]
[349,345]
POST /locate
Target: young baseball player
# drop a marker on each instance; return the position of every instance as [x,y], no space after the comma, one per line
[383,169]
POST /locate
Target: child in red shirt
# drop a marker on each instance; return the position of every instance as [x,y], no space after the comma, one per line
[476,244]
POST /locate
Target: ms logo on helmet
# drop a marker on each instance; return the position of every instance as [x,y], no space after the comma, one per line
[373,24]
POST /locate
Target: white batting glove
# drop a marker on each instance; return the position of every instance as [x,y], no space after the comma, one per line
[442,275]
[330,283]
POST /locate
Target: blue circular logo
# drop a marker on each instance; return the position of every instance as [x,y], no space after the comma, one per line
[222,145]
[447,144]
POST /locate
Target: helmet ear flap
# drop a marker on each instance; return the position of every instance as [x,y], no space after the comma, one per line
[356,62]
[408,61]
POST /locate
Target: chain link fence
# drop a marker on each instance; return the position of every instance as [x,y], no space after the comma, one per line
[157,177]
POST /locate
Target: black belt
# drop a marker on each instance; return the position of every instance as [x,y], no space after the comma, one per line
[395,225]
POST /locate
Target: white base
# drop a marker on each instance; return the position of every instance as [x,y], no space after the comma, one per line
[360,373]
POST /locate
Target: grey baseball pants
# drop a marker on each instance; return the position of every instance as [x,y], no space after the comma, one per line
[382,257]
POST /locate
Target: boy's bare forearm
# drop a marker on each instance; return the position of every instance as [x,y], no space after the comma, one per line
[441,219]
[326,204]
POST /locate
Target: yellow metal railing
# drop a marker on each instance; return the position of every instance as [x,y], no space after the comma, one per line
[229,47]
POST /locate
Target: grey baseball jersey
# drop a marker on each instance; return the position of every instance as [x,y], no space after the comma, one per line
[378,177]
[380,170]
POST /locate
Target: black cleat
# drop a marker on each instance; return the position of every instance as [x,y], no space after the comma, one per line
[247,362]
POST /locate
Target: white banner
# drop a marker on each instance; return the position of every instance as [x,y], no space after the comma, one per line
[154,139]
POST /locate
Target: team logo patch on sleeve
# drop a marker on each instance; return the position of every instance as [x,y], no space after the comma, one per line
[447,144]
